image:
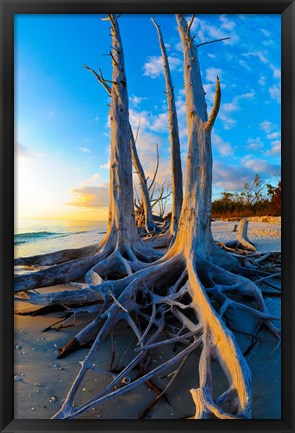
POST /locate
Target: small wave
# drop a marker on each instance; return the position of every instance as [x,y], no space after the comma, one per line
[22,238]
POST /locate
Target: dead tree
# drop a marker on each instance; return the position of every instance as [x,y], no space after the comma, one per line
[196,283]
[148,217]
[176,170]
[140,204]
[121,250]
[242,242]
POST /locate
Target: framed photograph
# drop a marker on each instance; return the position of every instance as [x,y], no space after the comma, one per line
[147,216]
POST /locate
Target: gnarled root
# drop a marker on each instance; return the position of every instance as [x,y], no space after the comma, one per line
[115,260]
[57,257]
[161,240]
[198,295]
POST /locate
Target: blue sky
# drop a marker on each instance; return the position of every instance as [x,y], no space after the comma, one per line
[61,111]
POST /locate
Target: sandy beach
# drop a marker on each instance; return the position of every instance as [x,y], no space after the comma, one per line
[42,381]
[142,289]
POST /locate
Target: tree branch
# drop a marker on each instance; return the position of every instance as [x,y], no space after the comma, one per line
[100,78]
[212,42]
[213,115]
[137,131]
[156,170]
[114,24]
[189,25]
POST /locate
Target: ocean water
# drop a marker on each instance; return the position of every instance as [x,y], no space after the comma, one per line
[33,237]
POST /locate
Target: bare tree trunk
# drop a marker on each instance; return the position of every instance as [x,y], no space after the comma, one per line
[149,221]
[176,169]
[242,241]
[195,239]
[121,240]
[121,183]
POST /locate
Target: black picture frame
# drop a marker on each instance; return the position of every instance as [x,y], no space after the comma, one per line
[8,9]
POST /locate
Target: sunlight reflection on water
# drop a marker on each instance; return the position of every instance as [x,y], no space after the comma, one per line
[55,235]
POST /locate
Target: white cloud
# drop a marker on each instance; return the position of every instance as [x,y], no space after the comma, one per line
[276,148]
[160,123]
[275,93]
[226,23]
[231,178]
[244,64]
[136,100]
[139,118]
[147,121]
[230,107]
[255,144]
[224,148]
[262,55]
[210,92]
[90,196]
[84,149]
[276,71]
[262,80]
[273,135]
[268,43]
[180,106]
[262,166]
[267,126]
[154,66]
[92,180]
[90,193]
[211,74]
[265,32]
[178,46]
[249,95]
[206,32]
[105,166]
[227,121]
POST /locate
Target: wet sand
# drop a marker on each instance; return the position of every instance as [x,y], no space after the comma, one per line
[42,381]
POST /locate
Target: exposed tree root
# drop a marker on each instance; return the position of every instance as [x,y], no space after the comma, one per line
[161,240]
[115,260]
[57,257]
[193,294]
[184,287]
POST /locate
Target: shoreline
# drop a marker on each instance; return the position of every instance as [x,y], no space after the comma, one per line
[42,381]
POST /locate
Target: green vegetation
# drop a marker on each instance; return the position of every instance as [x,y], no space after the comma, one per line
[257,199]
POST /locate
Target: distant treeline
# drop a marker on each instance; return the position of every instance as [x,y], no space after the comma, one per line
[258,199]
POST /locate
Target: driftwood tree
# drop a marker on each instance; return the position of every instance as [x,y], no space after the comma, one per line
[121,251]
[176,170]
[153,198]
[149,223]
[242,242]
[196,284]
[145,197]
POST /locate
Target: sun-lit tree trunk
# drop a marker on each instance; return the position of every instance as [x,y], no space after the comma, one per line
[176,170]
[121,239]
[121,182]
[195,239]
[195,220]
